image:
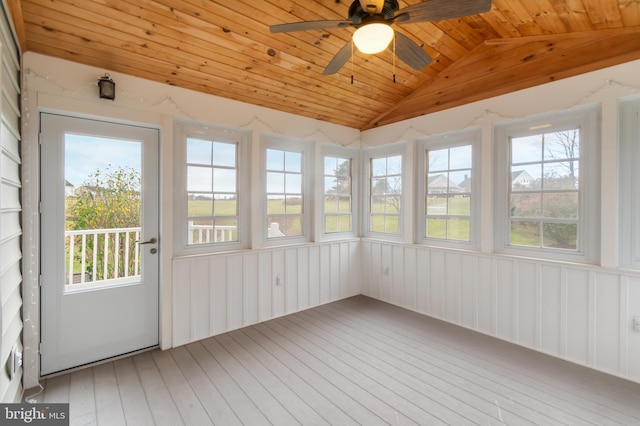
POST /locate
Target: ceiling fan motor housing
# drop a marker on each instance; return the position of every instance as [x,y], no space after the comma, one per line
[358,15]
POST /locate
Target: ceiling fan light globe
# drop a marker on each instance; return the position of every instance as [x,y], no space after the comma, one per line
[373,38]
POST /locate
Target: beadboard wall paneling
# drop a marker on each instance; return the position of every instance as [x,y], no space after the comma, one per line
[583,314]
[217,293]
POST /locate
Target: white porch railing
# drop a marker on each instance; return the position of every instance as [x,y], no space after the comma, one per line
[98,255]
[102,254]
[202,234]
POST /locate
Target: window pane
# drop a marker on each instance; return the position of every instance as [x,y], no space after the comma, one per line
[199,179]
[562,205]
[526,205]
[394,165]
[525,233]
[561,175]
[331,224]
[437,228]
[275,204]
[293,183]
[560,235]
[378,204]
[438,160]
[200,231]
[224,180]
[275,183]
[275,159]
[379,186]
[330,185]
[459,205]
[526,178]
[344,186]
[460,157]
[281,226]
[526,149]
[224,154]
[330,204]
[198,151]
[437,183]
[330,166]
[199,205]
[562,145]
[437,205]
[391,224]
[458,229]
[293,204]
[225,206]
[378,167]
[344,204]
[293,161]
[377,223]
[344,167]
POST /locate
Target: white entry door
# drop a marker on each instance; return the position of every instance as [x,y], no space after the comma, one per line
[99,240]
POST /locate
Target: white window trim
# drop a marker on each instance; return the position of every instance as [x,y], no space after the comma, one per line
[184,129]
[341,152]
[588,119]
[628,178]
[306,147]
[449,140]
[405,226]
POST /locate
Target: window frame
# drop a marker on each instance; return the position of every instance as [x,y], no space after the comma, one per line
[470,137]
[305,147]
[184,130]
[353,155]
[587,119]
[368,154]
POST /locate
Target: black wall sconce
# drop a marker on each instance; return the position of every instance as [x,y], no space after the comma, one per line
[107,87]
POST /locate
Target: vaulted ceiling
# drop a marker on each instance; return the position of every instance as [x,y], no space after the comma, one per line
[225,48]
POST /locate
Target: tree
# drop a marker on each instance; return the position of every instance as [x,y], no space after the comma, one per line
[107,200]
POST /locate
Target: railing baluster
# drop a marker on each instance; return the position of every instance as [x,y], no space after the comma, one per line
[95,257]
[126,253]
[105,275]
[137,255]
[72,240]
[116,254]
[83,268]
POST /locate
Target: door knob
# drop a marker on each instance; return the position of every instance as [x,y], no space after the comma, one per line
[151,241]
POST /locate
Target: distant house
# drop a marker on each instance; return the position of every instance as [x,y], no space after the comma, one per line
[465,185]
[69,189]
[521,178]
[439,184]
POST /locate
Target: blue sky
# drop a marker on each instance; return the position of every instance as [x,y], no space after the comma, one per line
[85,154]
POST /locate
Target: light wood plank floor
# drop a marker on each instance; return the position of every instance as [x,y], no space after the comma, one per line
[356,361]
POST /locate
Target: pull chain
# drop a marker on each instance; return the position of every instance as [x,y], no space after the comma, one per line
[351,61]
[394,59]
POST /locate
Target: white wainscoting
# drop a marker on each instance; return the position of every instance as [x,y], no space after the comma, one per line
[216,293]
[583,314]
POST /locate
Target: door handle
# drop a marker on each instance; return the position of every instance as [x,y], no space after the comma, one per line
[151,241]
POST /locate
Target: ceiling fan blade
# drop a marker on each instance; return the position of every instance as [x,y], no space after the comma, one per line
[438,10]
[339,60]
[372,6]
[308,25]
[410,53]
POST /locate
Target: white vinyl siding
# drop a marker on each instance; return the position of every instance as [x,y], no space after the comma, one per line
[10,212]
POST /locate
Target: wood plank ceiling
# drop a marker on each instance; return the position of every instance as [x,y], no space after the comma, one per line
[224,48]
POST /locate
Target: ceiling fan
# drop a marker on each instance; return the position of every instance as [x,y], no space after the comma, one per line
[373,19]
